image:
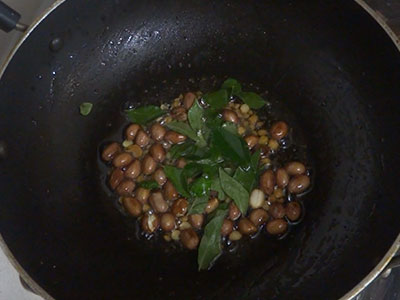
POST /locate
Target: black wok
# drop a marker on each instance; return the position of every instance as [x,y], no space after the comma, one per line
[330,70]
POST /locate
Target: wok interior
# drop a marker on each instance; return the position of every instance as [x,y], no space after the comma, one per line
[332,73]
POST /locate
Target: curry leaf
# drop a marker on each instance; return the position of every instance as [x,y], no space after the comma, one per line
[232,85]
[235,191]
[217,99]
[210,244]
[195,115]
[230,146]
[85,108]
[198,205]
[183,128]
[149,184]
[253,100]
[255,160]
[216,186]
[175,175]
[200,187]
[247,178]
[181,150]
[231,127]
[145,114]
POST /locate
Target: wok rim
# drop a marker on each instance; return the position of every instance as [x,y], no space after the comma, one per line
[37,289]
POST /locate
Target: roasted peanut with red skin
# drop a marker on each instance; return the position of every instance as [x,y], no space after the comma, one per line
[196,220]
[279,130]
[131,131]
[126,187]
[188,100]
[282,178]
[227,227]
[169,190]
[117,175]
[189,238]
[160,177]
[179,113]
[234,212]
[298,184]
[150,223]
[181,163]
[277,226]
[179,207]
[158,203]
[122,160]
[157,152]
[295,168]
[246,227]
[174,137]
[267,182]
[251,141]
[157,132]
[293,211]
[258,216]
[132,206]
[149,165]
[142,195]
[133,170]
[142,139]
[168,222]
[211,205]
[230,116]
[276,210]
[110,151]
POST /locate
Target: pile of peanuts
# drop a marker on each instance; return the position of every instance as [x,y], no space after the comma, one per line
[143,153]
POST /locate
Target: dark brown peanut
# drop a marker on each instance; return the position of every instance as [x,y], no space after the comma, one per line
[157,152]
[276,210]
[251,141]
[126,187]
[179,207]
[234,212]
[149,165]
[293,211]
[227,227]
[189,238]
[110,151]
[132,206]
[133,170]
[188,100]
[142,139]
[277,226]
[230,116]
[122,160]
[258,216]
[246,227]
[267,182]
[298,184]
[211,205]
[196,220]
[174,137]
[168,222]
[282,178]
[181,163]
[279,130]
[179,113]
[295,168]
[131,131]
[142,195]
[160,177]
[157,132]
[170,192]
[117,175]
[158,203]
[150,223]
